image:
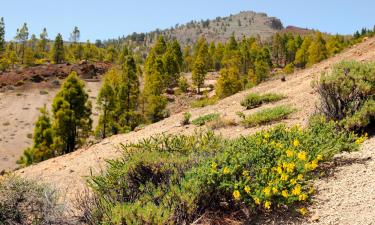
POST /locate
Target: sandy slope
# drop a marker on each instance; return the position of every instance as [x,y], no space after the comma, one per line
[68,172]
[19,110]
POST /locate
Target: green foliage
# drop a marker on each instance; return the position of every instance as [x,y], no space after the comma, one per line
[267,116]
[58,52]
[183,84]
[200,121]
[347,94]
[204,102]
[71,113]
[288,69]
[228,83]
[199,73]
[174,179]
[186,119]
[317,50]
[254,100]
[42,141]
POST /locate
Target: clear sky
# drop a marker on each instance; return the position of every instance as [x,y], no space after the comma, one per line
[98,19]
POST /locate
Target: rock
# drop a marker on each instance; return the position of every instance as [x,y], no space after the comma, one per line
[36,78]
[315,218]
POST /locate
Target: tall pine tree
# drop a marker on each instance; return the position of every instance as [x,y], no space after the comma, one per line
[71,110]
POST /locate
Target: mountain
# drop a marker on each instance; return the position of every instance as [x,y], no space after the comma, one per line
[245,23]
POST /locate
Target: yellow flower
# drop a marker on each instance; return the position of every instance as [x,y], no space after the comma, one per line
[303,211]
[274,190]
[285,194]
[257,200]
[279,170]
[214,166]
[289,153]
[267,191]
[314,164]
[267,205]
[266,135]
[300,177]
[290,167]
[293,181]
[226,170]
[302,156]
[296,143]
[245,173]
[302,197]
[311,190]
[296,190]
[236,195]
[319,157]
[247,189]
[284,177]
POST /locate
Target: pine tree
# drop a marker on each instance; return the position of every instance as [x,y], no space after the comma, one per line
[71,113]
[43,39]
[199,73]
[154,88]
[160,46]
[128,96]
[107,102]
[228,83]
[2,35]
[22,36]
[317,50]
[42,141]
[302,54]
[75,35]
[58,52]
[171,67]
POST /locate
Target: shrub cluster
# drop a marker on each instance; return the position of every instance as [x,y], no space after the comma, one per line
[200,121]
[265,116]
[254,100]
[26,202]
[174,179]
[348,95]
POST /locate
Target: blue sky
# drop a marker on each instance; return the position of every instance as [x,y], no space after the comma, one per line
[99,19]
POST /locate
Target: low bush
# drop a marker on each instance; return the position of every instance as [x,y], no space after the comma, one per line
[203,102]
[175,179]
[347,94]
[186,119]
[26,202]
[267,116]
[200,121]
[254,100]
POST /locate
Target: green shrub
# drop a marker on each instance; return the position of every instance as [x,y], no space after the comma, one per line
[289,69]
[345,92]
[203,102]
[200,121]
[174,179]
[254,100]
[267,115]
[186,119]
[183,84]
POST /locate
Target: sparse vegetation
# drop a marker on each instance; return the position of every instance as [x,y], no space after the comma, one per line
[265,116]
[26,202]
[204,102]
[221,122]
[186,119]
[254,100]
[200,121]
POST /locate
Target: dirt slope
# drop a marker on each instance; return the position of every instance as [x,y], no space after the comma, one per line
[19,110]
[68,172]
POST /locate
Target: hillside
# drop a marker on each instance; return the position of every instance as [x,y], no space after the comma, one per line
[68,172]
[246,23]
